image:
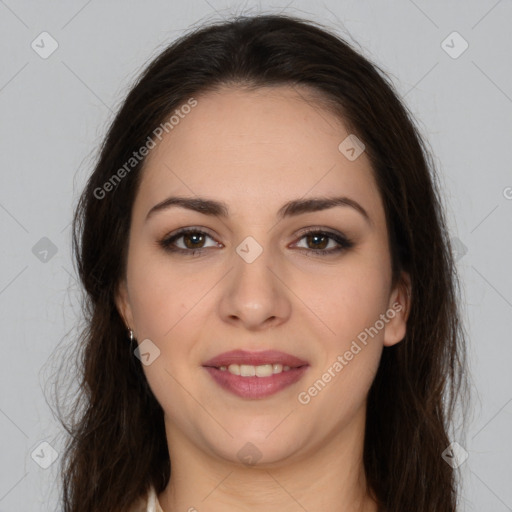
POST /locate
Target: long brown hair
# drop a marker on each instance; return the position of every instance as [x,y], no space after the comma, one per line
[117,444]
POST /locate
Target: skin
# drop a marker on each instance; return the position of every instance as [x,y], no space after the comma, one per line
[256,150]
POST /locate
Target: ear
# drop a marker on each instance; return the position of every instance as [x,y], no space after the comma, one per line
[398,311]
[123,305]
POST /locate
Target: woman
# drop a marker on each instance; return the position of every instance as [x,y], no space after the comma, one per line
[271,297]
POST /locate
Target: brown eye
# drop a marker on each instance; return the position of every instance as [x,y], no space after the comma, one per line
[317,242]
[193,241]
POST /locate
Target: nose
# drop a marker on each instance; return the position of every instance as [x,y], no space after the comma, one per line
[255,295]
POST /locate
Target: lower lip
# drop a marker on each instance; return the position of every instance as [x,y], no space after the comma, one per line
[256,387]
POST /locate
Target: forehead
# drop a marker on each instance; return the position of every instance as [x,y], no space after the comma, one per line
[253,148]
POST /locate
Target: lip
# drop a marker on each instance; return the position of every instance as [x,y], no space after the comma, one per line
[255,359]
[255,387]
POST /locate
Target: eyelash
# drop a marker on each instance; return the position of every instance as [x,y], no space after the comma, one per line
[344,243]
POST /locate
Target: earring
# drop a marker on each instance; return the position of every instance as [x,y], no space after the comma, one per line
[131,335]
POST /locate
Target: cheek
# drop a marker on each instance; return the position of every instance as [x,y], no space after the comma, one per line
[352,347]
[351,352]
[163,310]
[168,305]
[355,298]
[156,295]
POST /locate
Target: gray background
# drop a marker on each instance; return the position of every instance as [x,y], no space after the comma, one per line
[54,112]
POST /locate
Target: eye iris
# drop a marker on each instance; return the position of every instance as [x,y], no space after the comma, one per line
[316,237]
[194,236]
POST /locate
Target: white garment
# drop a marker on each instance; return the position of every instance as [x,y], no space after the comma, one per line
[153,505]
[148,503]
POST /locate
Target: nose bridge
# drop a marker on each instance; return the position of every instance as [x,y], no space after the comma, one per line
[254,294]
[252,262]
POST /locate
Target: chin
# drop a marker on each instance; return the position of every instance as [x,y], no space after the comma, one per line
[258,448]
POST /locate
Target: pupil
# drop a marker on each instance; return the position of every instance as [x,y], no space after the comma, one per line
[316,237]
[191,236]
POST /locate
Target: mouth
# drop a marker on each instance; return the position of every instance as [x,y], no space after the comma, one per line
[255,375]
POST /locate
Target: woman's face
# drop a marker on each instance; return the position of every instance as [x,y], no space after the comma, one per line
[250,278]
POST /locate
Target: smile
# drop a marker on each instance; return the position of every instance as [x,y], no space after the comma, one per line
[255,375]
[249,370]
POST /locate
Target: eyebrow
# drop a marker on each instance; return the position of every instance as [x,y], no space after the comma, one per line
[291,208]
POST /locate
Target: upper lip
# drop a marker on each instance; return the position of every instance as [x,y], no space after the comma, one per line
[255,359]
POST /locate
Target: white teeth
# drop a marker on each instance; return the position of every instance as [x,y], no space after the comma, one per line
[234,369]
[277,368]
[265,370]
[248,370]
